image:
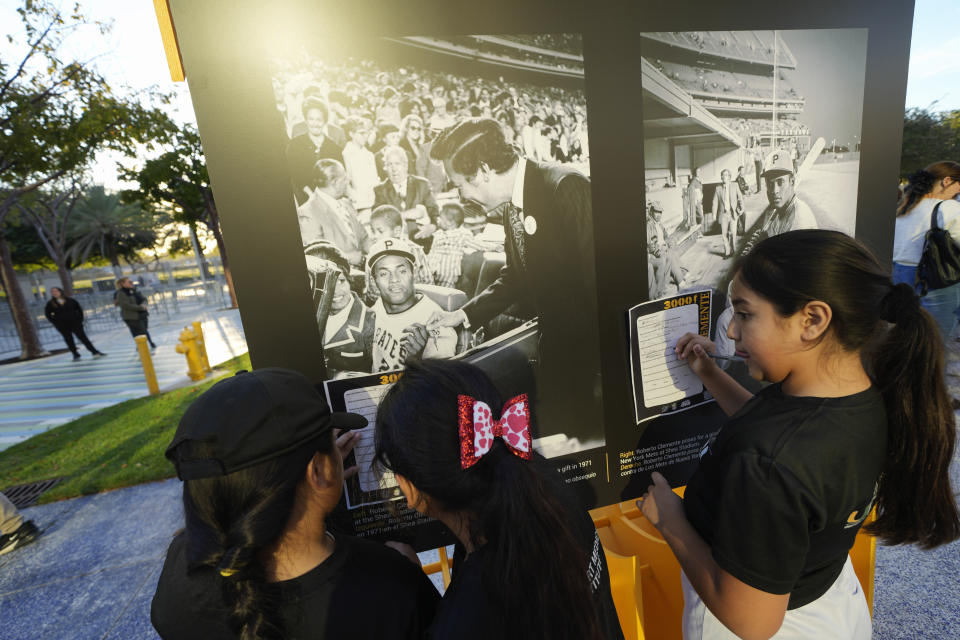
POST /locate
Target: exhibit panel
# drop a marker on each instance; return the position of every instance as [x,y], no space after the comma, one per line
[625,119]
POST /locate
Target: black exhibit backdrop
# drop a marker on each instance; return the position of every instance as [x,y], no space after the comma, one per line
[230,51]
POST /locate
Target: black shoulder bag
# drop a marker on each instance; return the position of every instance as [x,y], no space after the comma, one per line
[940,261]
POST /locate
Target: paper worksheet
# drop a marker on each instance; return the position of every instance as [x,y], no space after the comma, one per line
[665,378]
[364,401]
[661,381]
[362,395]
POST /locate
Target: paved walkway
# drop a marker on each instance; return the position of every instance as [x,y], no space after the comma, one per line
[40,394]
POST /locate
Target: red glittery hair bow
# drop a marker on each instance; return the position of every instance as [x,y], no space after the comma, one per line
[478,428]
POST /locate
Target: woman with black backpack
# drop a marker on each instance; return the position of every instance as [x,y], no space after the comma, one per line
[929,192]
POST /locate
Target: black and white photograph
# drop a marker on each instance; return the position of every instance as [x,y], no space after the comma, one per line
[442,189]
[746,134]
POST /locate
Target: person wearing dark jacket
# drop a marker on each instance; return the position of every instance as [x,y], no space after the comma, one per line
[133,309]
[66,315]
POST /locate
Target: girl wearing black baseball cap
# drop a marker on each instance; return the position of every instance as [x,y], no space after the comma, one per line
[261,471]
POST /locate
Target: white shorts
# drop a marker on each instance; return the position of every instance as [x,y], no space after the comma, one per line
[840,613]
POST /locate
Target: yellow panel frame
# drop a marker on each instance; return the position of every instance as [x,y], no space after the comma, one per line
[645,575]
[169,35]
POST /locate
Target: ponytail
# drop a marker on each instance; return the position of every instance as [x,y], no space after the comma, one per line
[915,501]
[533,567]
[532,560]
[231,519]
[921,183]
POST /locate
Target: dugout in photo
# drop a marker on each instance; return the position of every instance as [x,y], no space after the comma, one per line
[746,134]
[444,207]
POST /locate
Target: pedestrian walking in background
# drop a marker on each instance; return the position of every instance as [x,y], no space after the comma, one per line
[133,309]
[15,532]
[927,189]
[66,315]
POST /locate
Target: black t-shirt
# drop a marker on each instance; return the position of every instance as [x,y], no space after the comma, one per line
[783,489]
[363,590]
[465,613]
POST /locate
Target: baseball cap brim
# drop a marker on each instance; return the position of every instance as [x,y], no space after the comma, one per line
[372,262]
[251,418]
[776,172]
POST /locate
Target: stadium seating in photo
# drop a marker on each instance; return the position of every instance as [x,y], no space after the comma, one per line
[756,47]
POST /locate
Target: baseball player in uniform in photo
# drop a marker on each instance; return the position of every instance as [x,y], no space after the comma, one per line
[400,331]
[786,211]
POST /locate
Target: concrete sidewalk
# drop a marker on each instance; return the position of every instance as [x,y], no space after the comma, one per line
[40,394]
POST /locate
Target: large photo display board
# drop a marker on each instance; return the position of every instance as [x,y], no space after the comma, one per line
[549,191]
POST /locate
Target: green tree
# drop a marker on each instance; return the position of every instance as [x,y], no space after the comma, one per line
[103,225]
[55,114]
[178,180]
[48,210]
[26,249]
[928,137]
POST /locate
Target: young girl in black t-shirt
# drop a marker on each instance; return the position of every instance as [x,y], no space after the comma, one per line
[534,567]
[262,466]
[858,416]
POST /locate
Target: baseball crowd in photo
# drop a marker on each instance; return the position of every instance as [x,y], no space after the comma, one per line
[402,178]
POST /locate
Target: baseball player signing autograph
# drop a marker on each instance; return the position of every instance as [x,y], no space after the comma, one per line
[400,331]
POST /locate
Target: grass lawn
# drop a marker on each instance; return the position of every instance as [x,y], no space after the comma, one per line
[114,447]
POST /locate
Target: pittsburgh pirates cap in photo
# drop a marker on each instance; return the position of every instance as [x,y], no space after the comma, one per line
[250,418]
[778,161]
[654,205]
[390,247]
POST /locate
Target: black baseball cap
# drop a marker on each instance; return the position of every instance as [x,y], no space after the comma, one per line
[253,417]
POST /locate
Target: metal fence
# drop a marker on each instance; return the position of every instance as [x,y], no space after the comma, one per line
[100,314]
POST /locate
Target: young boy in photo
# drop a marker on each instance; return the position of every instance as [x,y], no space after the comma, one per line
[450,243]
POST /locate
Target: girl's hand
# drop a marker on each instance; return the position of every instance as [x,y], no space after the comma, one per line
[346,440]
[660,504]
[694,348]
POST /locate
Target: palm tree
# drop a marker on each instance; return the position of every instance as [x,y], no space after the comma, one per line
[104,225]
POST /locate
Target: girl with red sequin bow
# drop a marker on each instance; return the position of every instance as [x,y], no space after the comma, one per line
[528,562]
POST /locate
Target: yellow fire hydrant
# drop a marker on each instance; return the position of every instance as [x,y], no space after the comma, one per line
[198,329]
[189,346]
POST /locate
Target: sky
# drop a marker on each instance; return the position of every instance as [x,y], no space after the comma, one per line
[831,65]
[934,64]
[132,55]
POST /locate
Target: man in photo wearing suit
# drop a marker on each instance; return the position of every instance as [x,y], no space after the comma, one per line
[329,215]
[549,271]
[728,207]
[411,195]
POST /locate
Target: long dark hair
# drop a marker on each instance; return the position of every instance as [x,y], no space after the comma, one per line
[534,571]
[231,519]
[915,502]
[921,182]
